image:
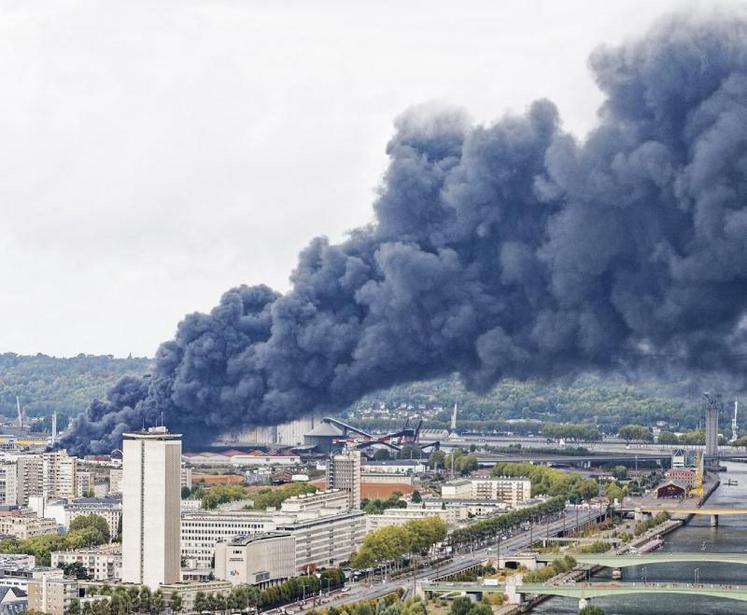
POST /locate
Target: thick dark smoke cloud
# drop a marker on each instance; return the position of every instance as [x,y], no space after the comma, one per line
[504,250]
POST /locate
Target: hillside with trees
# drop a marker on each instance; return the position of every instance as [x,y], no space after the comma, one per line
[604,401]
[67,385]
[575,409]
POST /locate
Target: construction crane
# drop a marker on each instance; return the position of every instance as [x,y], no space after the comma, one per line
[697,489]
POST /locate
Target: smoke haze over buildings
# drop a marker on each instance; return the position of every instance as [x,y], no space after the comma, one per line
[509,250]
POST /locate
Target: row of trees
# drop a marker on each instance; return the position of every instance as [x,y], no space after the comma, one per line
[464,605]
[389,544]
[549,481]
[85,531]
[459,461]
[220,494]
[378,506]
[390,604]
[491,527]
[120,600]
[300,587]
[574,432]
[273,498]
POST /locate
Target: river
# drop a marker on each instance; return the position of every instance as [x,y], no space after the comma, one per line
[730,536]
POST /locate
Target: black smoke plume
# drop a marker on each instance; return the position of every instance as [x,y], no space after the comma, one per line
[505,250]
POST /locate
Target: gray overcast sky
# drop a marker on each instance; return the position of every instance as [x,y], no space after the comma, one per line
[154,154]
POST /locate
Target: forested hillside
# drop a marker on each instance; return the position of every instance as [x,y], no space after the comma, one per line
[67,385]
[605,400]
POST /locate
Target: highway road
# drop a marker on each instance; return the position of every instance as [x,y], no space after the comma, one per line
[362,590]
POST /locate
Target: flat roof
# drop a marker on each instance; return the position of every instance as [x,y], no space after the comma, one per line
[151,435]
[242,541]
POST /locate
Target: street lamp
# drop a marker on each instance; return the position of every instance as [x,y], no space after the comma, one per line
[696,576]
[643,575]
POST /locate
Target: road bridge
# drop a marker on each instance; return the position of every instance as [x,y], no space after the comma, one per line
[491,460]
[712,511]
[586,591]
[622,561]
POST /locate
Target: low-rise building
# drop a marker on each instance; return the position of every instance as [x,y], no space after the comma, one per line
[51,595]
[202,530]
[397,466]
[103,563]
[240,459]
[109,508]
[20,576]
[331,499]
[262,559]
[323,536]
[22,524]
[389,478]
[511,490]
[400,516]
[188,590]
[325,539]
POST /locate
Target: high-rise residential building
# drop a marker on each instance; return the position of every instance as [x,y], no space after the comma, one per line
[30,478]
[8,483]
[151,507]
[49,475]
[60,473]
[115,480]
[344,472]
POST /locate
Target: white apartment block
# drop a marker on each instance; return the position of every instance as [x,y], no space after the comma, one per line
[344,472]
[8,483]
[514,491]
[102,563]
[151,507]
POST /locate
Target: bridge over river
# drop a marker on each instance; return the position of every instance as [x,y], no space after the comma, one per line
[622,561]
[586,591]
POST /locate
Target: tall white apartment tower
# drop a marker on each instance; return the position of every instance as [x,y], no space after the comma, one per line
[151,499]
[344,472]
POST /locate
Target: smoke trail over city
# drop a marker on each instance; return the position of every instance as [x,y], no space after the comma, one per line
[510,250]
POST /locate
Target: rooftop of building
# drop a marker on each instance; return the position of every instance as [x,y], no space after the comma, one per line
[393,462]
[242,541]
[152,433]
